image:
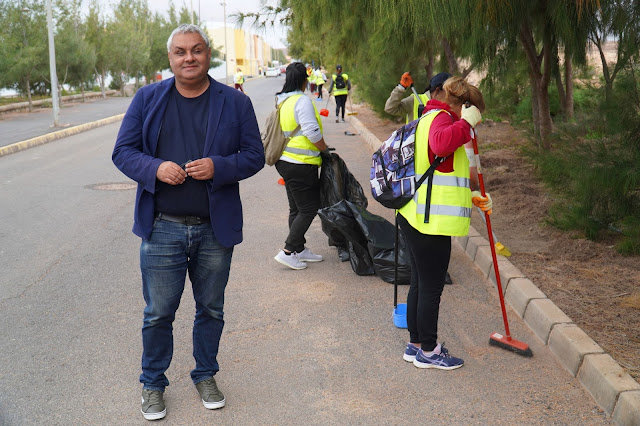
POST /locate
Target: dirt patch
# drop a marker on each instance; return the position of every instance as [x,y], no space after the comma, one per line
[589,281]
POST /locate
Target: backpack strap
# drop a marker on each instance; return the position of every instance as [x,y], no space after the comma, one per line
[429,174]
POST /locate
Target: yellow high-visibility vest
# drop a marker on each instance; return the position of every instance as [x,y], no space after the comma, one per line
[424,98]
[449,208]
[299,149]
[338,92]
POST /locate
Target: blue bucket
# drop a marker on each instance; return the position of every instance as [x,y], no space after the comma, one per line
[400,315]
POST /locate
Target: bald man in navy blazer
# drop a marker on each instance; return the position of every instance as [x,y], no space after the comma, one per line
[187,141]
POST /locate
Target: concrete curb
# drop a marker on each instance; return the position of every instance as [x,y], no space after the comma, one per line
[49,137]
[19,106]
[615,391]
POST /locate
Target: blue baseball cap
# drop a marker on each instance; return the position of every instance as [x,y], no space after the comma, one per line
[438,80]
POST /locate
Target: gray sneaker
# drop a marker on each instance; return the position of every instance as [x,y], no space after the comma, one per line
[211,396]
[153,407]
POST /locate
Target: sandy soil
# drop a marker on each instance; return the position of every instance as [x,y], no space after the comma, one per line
[594,285]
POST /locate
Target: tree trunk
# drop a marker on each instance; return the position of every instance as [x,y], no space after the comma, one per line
[535,108]
[451,57]
[102,88]
[568,81]
[429,67]
[557,74]
[29,95]
[540,80]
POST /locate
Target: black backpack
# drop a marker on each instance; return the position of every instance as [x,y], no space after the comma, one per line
[340,82]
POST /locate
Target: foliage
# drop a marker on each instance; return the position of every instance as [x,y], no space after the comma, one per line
[24,63]
[596,177]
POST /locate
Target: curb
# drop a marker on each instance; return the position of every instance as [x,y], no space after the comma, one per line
[38,103]
[615,391]
[49,137]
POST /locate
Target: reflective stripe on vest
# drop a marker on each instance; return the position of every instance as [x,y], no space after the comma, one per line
[299,149]
[449,208]
[338,92]
[424,98]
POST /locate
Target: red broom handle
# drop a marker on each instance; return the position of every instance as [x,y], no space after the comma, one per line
[491,242]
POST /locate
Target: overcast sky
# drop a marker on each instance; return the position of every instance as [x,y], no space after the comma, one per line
[212,10]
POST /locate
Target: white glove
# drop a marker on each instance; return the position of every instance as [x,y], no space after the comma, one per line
[471,115]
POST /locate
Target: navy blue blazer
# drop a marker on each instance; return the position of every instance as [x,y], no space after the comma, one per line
[233,143]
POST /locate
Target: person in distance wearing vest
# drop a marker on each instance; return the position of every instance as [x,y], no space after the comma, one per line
[428,225]
[238,80]
[299,165]
[409,107]
[342,86]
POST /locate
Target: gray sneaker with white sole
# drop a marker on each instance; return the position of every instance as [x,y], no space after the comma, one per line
[153,407]
[211,396]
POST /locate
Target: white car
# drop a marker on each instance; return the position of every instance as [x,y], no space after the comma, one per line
[272,72]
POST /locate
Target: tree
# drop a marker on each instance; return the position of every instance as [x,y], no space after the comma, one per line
[617,20]
[75,56]
[129,41]
[96,36]
[24,63]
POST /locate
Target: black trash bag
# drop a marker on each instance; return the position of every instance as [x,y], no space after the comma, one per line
[380,236]
[337,184]
[339,223]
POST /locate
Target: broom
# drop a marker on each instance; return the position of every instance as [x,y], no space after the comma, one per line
[352,112]
[497,339]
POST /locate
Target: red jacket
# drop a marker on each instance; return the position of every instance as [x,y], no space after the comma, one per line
[447,133]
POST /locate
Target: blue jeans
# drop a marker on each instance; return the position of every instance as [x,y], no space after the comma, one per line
[173,250]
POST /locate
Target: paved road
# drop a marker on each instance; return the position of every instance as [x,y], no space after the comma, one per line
[19,126]
[315,346]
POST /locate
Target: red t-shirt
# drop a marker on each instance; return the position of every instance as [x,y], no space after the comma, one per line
[447,133]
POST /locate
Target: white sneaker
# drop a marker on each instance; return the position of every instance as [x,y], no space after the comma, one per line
[307,255]
[292,261]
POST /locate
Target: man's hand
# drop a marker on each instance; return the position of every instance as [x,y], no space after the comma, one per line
[406,80]
[201,169]
[171,173]
[483,203]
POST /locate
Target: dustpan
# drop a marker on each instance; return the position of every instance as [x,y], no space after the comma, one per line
[324,111]
[399,309]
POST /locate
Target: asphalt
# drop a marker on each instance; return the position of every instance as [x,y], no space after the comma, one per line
[532,315]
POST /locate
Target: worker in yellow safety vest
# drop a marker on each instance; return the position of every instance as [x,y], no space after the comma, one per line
[340,81]
[321,79]
[238,80]
[411,106]
[440,209]
[299,164]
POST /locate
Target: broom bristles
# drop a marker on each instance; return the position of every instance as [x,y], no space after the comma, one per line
[513,345]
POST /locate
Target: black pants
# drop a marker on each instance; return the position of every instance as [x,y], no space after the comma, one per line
[303,191]
[430,256]
[320,90]
[341,101]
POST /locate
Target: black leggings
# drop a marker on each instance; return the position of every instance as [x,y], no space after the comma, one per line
[341,101]
[303,191]
[430,256]
[320,90]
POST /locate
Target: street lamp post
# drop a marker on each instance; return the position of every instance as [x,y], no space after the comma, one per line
[226,50]
[52,66]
